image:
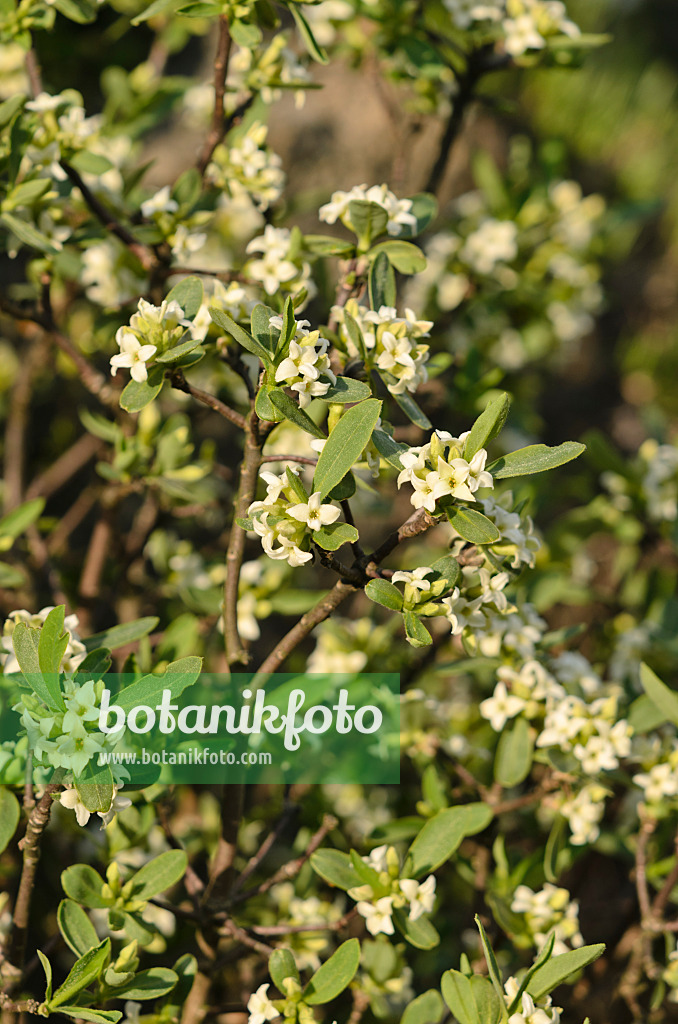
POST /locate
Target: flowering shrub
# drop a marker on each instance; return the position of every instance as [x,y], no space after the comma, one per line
[253,426]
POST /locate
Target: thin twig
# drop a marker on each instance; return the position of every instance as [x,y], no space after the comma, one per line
[293,867]
[218,126]
[179,382]
[249,471]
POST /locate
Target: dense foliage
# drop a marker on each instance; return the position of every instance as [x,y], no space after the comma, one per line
[424,426]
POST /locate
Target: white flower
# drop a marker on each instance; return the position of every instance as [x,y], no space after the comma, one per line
[82,706]
[159,203]
[260,1006]
[420,896]
[313,513]
[132,355]
[414,579]
[500,707]
[377,915]
[70,798]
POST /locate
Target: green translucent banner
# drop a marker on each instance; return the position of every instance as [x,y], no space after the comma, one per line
[96,731]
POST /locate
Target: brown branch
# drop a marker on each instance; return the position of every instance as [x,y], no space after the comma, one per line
[249,471]
[218,127]
[234,931]
[178,381]
[107,218]
[293,867]
[221,869]
[65,467]
[257,858]
[17,422]
[30,845]
[305,460]
[419,522]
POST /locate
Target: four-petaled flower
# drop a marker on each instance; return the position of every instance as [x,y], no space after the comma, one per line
[132,355]
[260,1006]
[313,513]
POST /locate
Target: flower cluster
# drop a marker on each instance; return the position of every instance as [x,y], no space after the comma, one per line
[377,900]
[249,167]
[546,911]
[392,343]
[536,267]
[518,541]
[438,470]
[306,361]
[524,25]
[280,266]
[399,211]
[264,71]
[286,524]
[151,329]
[66,739]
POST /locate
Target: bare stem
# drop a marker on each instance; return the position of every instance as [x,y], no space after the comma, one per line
[218,126]
[179,382]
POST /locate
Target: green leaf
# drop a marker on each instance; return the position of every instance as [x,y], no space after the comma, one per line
[263,406]
[10,107]
[148,690]
[245,34]
[489,1006]
[415,631]
[425,1009]
[94,1016]
[173,355]
[458,995]
[315,50]
[95,788]
[83,884]
[90,163]
[157,7]
[10,812]
[344,489]
[334,975]
[405,257]
[85,971]
[644,716]
[419,933]
[491,961]
[11,577]
[425,208]
[239,334]
[27,234]
[335,867]
[384,593]
[662,697]
[52,644]
[326,245]
[381,282]
[78,931]
[14,523]
[137,395]
[447,568]
[295,483]
[388,448]
[282,965]
[80,11]
[472,526]
[555,844]
[442,835]
[120,636]
[368,220]
[262,332]
[159,874]
[488,425]
[515,750]
[292,412]
[345,445]
[149,984]
[289,325]
[332,537]
[47,968]
[536,458]
[26,643]
[409,406]
[355,334]
[562,967]
[347,390]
